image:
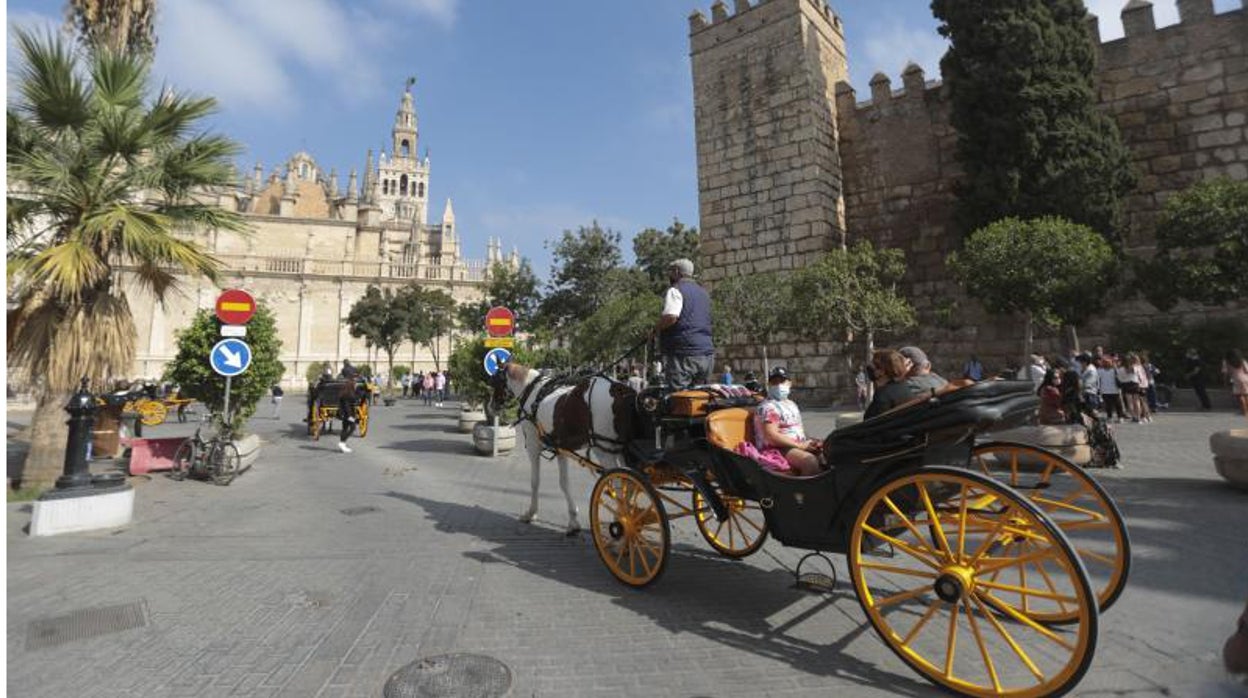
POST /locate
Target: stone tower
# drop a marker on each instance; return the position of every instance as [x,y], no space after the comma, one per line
[769,169]
[402,179]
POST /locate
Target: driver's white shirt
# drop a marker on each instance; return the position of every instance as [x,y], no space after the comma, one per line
[673,302]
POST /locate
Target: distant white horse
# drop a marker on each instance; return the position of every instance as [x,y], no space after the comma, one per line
[594,418]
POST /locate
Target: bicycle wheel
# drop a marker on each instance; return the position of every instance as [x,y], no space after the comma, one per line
[184,459]
[224,463]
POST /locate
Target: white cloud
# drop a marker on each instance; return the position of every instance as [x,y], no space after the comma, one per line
[443,12]
[1109,14]
[890,49]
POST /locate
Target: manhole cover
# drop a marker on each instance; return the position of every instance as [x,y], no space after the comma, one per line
[356,511]
[83,624]
[460,675]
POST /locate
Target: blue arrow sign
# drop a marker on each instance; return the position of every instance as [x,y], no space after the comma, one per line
[495,358]
[230,357]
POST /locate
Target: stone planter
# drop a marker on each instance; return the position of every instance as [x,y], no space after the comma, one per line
[1067,440]
[484,436]
[1230,456]
[468,418]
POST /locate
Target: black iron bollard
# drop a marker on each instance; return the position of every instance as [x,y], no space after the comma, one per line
[81,409]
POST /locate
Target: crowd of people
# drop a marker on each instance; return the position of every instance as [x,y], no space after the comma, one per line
[432,387]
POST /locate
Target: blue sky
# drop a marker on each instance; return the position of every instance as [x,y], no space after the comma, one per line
[539,116]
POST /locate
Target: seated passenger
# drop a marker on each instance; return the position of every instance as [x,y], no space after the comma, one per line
[920,377]
[1050,393]
[888,371]
[778,427]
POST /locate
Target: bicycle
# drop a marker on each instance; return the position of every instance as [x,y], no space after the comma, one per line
[217,458]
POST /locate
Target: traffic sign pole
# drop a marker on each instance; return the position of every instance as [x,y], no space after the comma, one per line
[227,398]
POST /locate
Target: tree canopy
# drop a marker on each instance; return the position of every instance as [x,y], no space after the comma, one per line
[430,314]
[655,250]
[514,288]
[191,371]
[1046,269]
[1031,139]
[756,307]
[381,320]
[581,276]
[1202,247]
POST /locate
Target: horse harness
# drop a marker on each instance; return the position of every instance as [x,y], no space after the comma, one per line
[541,389]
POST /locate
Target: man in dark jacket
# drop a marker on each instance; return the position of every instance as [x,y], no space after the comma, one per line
[684,329]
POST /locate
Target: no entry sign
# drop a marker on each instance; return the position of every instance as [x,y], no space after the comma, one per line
[235,307]
[499,322]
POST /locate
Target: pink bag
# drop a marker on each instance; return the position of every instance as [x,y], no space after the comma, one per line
[771,459]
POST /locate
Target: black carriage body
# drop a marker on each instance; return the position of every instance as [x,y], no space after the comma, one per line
[817,513]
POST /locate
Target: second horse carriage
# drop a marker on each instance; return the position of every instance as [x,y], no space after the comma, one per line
[983,565]
[323,402]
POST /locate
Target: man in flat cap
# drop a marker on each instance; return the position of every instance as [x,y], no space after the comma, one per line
[921,378]
[684,329]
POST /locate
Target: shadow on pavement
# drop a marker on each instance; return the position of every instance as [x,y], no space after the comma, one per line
[456,446]
[1179,548]
[699,593]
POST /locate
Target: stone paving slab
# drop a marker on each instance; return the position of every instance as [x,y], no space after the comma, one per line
[319,574]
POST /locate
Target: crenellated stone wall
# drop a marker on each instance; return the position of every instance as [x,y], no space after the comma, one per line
[1178,94]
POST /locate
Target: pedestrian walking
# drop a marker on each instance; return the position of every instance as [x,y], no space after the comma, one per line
[406,383]
[439,387]
[1194,371]
[348,412]
[427,388]
[1111,394]
[276,393]
[1236,370]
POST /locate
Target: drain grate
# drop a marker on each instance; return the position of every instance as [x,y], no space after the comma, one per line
[460,675]
[356,511]
[84,624]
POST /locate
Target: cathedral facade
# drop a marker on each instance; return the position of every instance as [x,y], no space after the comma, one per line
[314,249]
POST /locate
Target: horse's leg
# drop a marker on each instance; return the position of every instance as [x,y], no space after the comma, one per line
[573,524]
[534,450]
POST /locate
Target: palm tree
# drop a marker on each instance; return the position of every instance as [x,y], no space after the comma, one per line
[102,176]
[118,25]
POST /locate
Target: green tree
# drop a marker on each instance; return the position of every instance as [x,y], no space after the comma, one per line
[655,250]
[620,324]
[581,281]
[1031,139]
[190,368]
[430,313]
[853,291]
[101,175]
[513,288]
[1202,247]
[1045,270]
[382,320]
[122,26]
[467,366]
[755,307]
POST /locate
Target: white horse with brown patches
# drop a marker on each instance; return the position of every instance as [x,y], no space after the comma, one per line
[593,418]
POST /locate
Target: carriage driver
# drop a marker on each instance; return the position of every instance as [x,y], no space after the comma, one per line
[684,329]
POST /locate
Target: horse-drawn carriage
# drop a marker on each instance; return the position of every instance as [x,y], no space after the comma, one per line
[983,566]
[323,402]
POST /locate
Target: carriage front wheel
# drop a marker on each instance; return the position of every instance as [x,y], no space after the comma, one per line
[739,535]
[630,528]
[1077,504]
[954,602]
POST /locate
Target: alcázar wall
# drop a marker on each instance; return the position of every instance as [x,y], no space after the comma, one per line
[777,186]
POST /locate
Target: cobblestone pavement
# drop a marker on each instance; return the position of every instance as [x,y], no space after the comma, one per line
[321,574]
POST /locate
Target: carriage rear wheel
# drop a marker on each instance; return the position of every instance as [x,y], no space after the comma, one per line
[152,413]
[315,421]
[363,417]
[927,564]
[630,528]
[741,534]
[1075,502]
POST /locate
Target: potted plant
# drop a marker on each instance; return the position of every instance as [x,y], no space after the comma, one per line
[466,364]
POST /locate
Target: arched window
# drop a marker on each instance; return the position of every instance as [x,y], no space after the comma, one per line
[303,170]
[385,187]
[403,185]
[405,148]
[420,190]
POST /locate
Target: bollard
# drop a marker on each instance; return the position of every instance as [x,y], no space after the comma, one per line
[81,409]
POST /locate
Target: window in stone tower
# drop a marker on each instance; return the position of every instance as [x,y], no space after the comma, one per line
[303,170]
[420,190]
[405,148]
[385,187]
[403,185]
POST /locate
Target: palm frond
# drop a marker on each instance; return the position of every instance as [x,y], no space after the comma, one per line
[62,343]
[52,92]
[119,79]
[66,270]
[173,116]
[204,217]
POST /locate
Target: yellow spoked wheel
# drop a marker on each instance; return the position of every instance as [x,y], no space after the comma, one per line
[363,416]
[925,561]
[315,421]
[151,412]
[1075,502]
[631,532]
[741,534]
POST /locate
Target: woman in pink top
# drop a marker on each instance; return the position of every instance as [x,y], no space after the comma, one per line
[1236,370]
[778,427]
[426,388]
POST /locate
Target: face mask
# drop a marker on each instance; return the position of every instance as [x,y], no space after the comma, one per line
[779,392]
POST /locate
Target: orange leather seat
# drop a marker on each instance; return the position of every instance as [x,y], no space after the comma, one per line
[728,427]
